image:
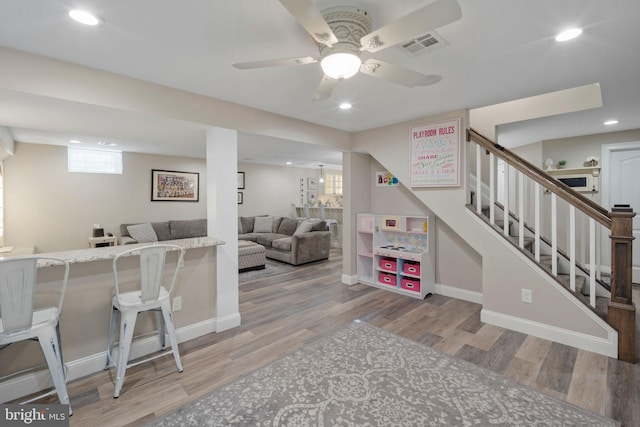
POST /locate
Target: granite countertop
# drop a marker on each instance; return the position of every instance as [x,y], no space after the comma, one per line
[109,252]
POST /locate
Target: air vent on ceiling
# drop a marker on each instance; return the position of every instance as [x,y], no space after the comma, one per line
[425,43]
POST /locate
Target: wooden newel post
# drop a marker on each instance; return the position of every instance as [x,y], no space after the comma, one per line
[622,311]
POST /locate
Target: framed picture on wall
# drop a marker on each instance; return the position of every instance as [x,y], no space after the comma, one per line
[240,197]
[174,186]
[312,196]
[312,183]
[240,180]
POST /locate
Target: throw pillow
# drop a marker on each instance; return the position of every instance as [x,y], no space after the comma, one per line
[288,226]
[143,233]
[263,224]
[247,224]
[304,227]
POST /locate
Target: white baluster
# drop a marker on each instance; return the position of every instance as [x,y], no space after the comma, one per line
[572,247]
[505,199]
[521,210]
[592,262]
[478,179]
[536,188]
[554,234]
[492,189]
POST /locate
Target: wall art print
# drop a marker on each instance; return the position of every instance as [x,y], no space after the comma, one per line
[174,186]
[435,154]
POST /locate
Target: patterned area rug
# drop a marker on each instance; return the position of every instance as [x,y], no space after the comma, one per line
[270,268]
[365,376]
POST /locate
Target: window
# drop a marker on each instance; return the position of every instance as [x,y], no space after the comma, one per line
[94,161]
[333,184]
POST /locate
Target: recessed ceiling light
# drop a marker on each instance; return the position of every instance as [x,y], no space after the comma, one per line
[288,163]
[84,17]
[345,106]
[569,34]
[108,144]
[611,122]
[75,141]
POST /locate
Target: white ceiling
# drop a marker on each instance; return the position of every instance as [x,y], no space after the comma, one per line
[499,51]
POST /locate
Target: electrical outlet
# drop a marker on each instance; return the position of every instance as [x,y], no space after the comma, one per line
[527,296]
[177,304]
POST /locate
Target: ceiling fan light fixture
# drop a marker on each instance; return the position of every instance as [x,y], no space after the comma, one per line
[341,65]
[84,17]
[569,34]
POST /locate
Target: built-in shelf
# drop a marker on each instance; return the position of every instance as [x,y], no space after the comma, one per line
[584,180]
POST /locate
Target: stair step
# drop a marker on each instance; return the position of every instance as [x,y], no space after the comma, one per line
[565,279]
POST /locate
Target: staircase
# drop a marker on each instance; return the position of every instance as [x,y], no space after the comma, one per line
[574,250]
[582,291]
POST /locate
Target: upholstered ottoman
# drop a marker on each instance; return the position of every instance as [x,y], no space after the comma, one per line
[251,256]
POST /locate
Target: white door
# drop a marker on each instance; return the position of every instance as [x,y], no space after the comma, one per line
[623,169]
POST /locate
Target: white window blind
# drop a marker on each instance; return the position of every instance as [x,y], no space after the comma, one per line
[94,161]
[333,184]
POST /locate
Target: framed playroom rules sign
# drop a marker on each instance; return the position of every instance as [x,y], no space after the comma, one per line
[435,154]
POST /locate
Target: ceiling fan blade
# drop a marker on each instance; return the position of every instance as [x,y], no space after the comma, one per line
[396,74]
[274,63]
[430,17]
[325,88]
[312,21]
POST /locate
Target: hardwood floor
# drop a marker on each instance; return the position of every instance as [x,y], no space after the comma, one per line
[282,313]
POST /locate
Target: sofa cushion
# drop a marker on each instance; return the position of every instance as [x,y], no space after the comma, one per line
[247,223]
[304,227]
[143,233]
[263,224]
[251,237]
[288,226]
[320,226]
[182,229]
[162,230]
[266,239]
[283,244]
[276,223]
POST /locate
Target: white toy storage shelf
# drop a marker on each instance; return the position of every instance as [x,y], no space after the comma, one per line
[396,253]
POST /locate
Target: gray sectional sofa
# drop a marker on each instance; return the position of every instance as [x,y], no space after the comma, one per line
[287,239]
[168,230]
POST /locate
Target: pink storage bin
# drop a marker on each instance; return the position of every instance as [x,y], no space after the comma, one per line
[410,284]
[388,264]
[387,279]
[410,267]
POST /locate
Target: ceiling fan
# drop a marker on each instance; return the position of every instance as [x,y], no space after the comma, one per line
[342,33]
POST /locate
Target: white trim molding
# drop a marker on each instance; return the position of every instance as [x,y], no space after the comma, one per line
[349,280]
[605,346]
[457,293]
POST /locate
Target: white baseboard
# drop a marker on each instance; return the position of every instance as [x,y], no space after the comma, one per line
[35,381]
[605,346]
[227,322]
[457,293]
[349,280]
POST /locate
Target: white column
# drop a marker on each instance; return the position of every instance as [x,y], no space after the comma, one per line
[222,220]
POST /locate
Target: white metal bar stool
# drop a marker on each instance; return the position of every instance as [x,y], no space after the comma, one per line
[331,223]
[151,295]
[19,321]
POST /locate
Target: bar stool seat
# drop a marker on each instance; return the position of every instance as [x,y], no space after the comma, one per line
[19,321]
[152,296]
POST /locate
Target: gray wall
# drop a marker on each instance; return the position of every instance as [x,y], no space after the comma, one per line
[53,210]
[271,189]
